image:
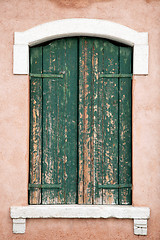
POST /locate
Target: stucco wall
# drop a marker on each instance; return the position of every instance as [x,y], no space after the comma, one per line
[15,16]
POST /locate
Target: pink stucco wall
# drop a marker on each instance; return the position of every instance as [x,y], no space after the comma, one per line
[140,15]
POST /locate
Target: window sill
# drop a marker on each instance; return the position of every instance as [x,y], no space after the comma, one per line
[139,214]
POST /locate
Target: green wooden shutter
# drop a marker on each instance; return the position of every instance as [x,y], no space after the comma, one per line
[80,122]
[57,162]
[104,122]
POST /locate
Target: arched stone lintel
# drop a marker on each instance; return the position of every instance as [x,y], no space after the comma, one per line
[80,27]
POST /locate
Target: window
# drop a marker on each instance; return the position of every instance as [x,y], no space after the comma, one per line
[80,122]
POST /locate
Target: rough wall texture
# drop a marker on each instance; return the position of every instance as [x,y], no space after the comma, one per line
[140,15]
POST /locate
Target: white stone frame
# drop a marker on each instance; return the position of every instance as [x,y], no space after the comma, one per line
[80,27]
[139,214]
[68,28]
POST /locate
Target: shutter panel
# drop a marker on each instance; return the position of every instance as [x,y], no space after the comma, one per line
[36,124]
[104,122]
[57,129]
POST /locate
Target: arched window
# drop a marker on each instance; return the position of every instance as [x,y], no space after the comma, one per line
[90,115]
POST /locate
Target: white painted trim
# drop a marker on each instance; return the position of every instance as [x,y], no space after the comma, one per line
[79,211]
[140,59]
[82,27]
[21,59]
[84,211]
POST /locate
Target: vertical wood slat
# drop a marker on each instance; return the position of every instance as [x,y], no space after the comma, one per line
[71,69]
[61,54]
[87,128]
[110,123]
[125,126]
[80,125]
[97,67]
[85,122]
[104,129]
[36,124]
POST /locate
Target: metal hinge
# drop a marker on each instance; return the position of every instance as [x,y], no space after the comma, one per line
[110,75]
[43,75]
[115,186]
[36,185]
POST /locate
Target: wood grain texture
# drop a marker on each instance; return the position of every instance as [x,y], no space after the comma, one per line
[97,67]
[35,124]
[71,69]
[110,123]
[85,122]
[50,124]
[125,126]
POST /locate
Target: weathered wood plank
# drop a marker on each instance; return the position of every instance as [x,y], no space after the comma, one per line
[87,153]
[125,114]
[80,125]
[35,124]
[71,74]
[85,119]
[62,114]
[50,124]
[110,123]
[97,67]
